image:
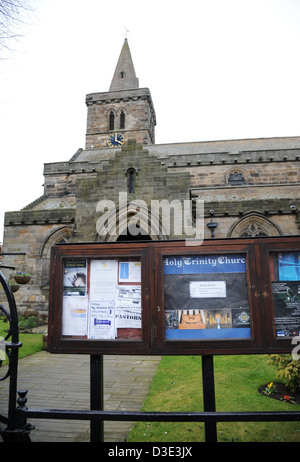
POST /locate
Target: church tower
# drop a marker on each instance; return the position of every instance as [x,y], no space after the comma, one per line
[124,112]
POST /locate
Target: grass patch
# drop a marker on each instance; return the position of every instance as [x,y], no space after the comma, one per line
[31,343]
[177,386]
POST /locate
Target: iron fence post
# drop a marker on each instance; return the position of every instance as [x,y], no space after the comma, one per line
[96,397]
[209,396]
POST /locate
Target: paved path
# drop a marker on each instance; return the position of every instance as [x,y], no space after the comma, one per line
[63,382]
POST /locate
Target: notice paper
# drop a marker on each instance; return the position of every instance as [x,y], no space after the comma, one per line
[75,278]
[103,279]
[128,307]
[207,289]
[130,271]
[74,319]
[102,320]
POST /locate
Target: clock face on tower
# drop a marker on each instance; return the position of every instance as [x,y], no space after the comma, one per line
[115,140]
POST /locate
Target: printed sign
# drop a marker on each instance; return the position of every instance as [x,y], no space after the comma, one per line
[286,300]
[206,297]
[207,289]
[102,320]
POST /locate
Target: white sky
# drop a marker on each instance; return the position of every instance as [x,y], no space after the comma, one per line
[216,69]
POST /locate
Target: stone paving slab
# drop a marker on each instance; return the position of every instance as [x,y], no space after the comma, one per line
[63,382]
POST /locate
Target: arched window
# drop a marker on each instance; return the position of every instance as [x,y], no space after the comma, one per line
[122,119]
[131,173]
[254,230]
[254,225]
[111,121]
[236,179]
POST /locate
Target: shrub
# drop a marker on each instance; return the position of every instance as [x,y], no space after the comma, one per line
[288,370]
[27,323]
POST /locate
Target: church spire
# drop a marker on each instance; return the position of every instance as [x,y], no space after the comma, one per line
[124,77]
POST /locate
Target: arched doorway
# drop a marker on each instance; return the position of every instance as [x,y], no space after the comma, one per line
[131,223]
[128,235]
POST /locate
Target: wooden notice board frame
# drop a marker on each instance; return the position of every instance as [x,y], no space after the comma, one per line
[166,297]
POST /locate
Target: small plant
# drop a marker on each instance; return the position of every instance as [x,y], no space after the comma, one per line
[14,286]
[270,389]
[288,399]
[27,323]
[288,370]
[21,277]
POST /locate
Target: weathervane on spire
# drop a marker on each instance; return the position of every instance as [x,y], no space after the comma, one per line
[126,32]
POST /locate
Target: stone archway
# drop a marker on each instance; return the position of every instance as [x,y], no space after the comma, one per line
[134,221]
[62,234]
[254,225]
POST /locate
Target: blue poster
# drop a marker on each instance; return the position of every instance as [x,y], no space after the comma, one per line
[206,297]
[289,266]
[124,270]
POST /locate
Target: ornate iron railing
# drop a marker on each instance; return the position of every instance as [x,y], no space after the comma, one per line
[16,428]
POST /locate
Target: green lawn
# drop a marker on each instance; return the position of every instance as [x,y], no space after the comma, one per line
[31,343]
[177,386]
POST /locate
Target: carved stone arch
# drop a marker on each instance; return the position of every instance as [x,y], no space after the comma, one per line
[236,176]
[118,222]
[109,110]
[254,225]
[62,234]
[122,109]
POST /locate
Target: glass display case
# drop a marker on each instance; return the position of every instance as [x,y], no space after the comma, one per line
[206,297]
[231,296]
[102,299]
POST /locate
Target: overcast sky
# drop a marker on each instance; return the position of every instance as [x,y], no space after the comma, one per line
[216,70]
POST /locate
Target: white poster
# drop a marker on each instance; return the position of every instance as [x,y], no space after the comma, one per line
[102,320]
[207,289]
[129,294]
[128,307]
[103,279]
[74,320]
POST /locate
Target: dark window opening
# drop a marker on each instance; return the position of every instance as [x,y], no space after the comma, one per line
[111,121]
[131,173]
[122,120]
[236,179]
[122,75]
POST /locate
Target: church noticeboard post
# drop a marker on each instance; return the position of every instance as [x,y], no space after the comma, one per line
[237,296]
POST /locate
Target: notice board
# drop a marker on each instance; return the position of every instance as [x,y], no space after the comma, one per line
[206,297]
[101,297]
[231,296]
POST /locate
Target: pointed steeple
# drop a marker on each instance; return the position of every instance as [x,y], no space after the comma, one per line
[124,77]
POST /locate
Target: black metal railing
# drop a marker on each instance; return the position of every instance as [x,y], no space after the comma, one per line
[97,415]
[18,430]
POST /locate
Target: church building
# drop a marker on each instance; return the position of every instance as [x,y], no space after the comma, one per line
[249,187]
